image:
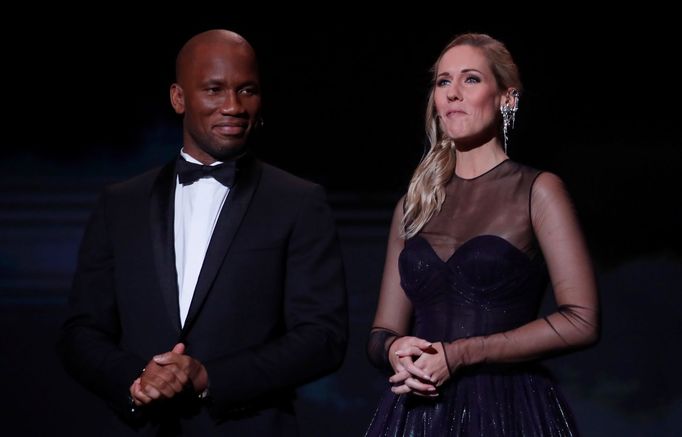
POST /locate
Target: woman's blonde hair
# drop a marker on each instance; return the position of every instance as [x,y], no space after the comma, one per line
[426,192]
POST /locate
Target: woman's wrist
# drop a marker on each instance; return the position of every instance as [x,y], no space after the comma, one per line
[390,350]
[473,350]
[464,352]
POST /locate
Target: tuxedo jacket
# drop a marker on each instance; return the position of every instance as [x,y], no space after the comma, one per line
[268,313]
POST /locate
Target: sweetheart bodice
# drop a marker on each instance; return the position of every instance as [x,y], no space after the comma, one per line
[487,285]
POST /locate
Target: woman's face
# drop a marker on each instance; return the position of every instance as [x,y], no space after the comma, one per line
[467,96]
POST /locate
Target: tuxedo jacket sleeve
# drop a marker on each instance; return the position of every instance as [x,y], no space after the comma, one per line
[269,310]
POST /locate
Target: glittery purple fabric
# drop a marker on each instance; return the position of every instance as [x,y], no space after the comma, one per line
[486,286]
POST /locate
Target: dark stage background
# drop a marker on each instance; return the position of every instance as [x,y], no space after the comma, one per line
[86,104]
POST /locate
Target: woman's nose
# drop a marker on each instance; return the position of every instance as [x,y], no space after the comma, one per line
[454,94]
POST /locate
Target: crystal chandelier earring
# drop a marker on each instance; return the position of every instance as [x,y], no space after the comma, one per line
[509,116]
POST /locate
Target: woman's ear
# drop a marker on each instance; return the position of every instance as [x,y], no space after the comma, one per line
[511,98]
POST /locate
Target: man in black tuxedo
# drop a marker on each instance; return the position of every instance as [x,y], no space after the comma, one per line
[209,289]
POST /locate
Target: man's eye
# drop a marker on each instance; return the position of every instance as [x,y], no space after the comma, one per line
[249,91]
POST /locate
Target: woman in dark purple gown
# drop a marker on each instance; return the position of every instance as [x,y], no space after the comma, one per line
[472,246]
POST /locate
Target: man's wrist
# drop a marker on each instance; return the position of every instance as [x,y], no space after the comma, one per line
[132,407]
[204,394]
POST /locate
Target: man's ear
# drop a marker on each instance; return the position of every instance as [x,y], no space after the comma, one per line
[177,97]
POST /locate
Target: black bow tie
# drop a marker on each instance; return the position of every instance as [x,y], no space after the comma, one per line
[188,172]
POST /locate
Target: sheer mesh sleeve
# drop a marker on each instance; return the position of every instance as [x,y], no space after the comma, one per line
[394,310]
[575,322]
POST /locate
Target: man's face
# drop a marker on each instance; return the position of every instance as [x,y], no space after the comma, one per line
[218,91]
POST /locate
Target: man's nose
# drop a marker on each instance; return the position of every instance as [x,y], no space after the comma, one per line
[232,104]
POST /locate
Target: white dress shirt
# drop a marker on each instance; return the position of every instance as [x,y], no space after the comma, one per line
[197,207]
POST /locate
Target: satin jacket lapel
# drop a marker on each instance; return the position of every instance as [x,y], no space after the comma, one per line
[230,218]
[162,210]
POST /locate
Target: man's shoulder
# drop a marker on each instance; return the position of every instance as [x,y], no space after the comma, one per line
[140,183]
[281,180]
